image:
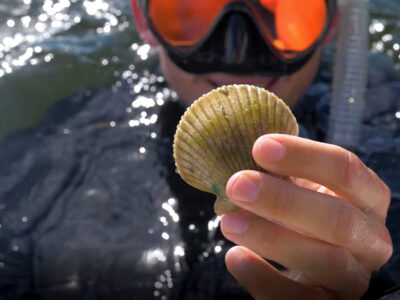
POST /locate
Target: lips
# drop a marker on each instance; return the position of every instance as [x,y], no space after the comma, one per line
[217,80]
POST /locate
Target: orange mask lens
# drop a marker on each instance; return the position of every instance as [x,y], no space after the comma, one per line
[299,23]
[184,22]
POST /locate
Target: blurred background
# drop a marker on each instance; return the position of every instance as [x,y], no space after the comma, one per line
[50,49]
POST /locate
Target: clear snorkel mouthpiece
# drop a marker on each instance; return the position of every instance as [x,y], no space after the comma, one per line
[350,74]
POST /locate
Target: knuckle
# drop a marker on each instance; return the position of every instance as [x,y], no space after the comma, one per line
[351,169]
[386,256]
[386,196]
[387,249]
[346,225]
[388,253]
[381,205]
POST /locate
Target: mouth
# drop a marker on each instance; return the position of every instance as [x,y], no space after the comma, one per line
[220,80]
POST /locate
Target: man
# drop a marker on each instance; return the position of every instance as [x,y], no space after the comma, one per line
[327,227]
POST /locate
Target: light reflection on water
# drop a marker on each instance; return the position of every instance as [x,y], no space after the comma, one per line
[384,29]
[55,48]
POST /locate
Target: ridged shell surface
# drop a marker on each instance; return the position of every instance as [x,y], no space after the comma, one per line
[215,136]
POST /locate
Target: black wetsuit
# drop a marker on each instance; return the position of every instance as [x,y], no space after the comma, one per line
[91,206]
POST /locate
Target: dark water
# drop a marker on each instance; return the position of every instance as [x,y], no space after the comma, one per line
[50,49]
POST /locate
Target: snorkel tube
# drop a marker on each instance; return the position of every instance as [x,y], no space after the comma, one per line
[350,74]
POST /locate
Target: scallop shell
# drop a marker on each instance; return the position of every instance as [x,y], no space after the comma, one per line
[215,136]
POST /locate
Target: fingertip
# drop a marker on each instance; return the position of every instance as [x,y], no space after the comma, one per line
[268,148]
[235,223]
[235,259]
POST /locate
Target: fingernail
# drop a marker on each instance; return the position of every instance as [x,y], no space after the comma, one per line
[243,189]
[270,149]
[234,223]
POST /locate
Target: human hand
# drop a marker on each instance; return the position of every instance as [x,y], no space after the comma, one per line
[326,225]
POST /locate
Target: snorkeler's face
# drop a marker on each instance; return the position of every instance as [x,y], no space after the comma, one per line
[191,86]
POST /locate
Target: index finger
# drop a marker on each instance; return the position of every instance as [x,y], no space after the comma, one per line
[331,166]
